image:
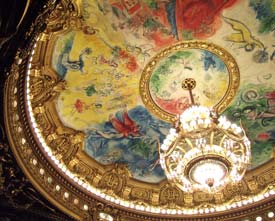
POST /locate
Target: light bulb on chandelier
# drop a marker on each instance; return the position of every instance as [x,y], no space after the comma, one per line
[204,152]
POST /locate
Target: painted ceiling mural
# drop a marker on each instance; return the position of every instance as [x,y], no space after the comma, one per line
[102,65]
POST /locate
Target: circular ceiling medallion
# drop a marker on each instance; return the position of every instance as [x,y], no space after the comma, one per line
[214,69]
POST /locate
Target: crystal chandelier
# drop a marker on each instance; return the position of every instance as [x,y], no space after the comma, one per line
[204,152]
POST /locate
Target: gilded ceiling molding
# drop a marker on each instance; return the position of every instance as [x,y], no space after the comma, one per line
[52,155]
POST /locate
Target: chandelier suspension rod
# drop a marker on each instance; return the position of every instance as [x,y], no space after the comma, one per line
[191,96]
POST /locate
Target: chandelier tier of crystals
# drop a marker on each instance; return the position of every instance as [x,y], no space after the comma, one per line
[204,152]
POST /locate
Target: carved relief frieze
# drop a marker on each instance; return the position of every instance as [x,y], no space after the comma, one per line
[44,87]
[171,196]
[140,194]
[266,177]
[83,170]
[114,179]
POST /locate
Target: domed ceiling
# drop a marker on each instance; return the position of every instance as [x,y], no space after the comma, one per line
[103,87]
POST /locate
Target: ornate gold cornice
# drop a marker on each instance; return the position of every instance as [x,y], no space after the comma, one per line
[71,194]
